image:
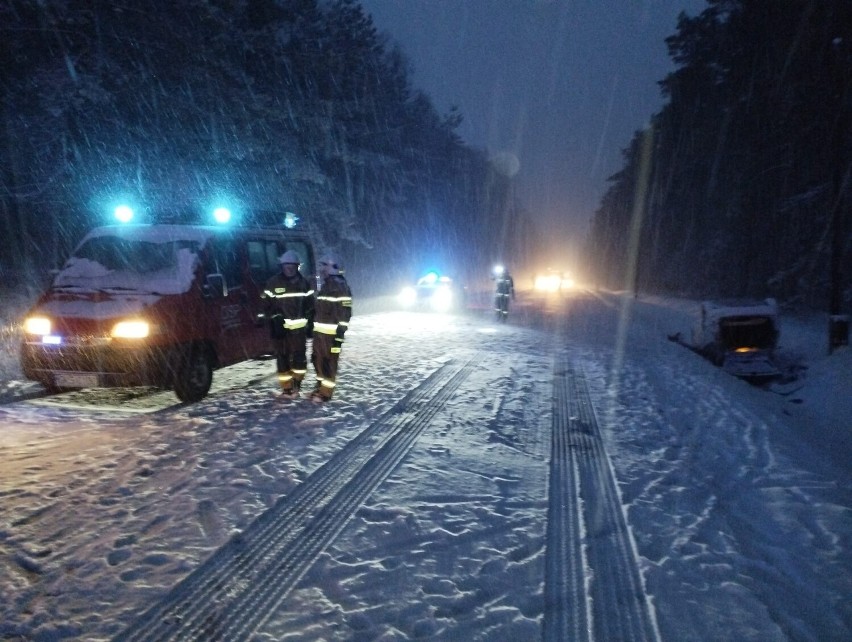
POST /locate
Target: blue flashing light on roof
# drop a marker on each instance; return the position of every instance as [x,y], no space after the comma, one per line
[290,220]
[430,277]
[222,215]
[123,213]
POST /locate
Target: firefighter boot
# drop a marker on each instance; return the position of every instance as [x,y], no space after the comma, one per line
[323,392]
[288,388]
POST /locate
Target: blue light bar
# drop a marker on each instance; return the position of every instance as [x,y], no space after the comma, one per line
[222,215]
[124,213]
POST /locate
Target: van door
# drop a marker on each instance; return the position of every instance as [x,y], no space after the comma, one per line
[242,334]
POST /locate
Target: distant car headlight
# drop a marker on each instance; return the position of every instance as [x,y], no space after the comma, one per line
[408,296]
[548,283]
[133,329]
[37,325]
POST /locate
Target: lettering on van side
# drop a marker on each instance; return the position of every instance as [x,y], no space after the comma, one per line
[230,317]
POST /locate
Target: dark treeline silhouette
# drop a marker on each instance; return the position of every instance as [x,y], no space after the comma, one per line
[297,105]
[740,185]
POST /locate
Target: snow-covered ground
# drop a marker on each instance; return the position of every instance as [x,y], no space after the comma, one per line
[738,498]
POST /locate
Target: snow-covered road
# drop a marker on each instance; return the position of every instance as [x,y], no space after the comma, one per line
[440,507]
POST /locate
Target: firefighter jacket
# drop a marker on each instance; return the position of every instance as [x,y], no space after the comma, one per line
[505,285]
[333,306]
[288,301]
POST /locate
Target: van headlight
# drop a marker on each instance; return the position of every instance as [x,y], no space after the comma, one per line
[37,325]
[131,329]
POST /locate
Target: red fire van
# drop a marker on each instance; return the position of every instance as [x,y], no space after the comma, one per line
[160,305]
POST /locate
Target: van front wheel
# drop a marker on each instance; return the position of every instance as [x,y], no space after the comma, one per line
[194,375]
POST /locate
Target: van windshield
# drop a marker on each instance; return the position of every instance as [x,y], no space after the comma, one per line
[126,263]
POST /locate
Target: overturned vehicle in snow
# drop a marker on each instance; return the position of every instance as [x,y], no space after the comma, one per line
[739,335]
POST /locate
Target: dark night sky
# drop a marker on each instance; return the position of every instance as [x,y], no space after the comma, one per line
[560,84]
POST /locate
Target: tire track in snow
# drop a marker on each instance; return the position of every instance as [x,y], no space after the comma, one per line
[567,613]
[237,589]
[593,588]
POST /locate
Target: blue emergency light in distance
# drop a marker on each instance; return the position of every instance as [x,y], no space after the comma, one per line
[290,220]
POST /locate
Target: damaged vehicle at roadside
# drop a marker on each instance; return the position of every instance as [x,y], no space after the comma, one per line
[739,335]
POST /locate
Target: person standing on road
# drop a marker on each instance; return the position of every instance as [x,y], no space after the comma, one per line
[333,311]
[505,288]
[289,306]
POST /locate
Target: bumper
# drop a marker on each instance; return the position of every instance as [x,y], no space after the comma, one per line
[70,366]
[756,365]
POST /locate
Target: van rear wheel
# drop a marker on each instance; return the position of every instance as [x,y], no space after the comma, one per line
[194,375]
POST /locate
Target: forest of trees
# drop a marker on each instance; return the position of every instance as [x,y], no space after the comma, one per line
[740,185]
[281,105]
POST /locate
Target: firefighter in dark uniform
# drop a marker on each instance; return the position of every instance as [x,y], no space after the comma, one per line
[504,290]
[331,320]
[289,306]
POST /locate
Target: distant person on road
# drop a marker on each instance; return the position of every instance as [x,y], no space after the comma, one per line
[333,311]
[289,306]
[504,290]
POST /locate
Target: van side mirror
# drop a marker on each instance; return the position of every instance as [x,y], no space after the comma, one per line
[214,287]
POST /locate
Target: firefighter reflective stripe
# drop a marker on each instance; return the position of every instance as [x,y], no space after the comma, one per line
[345,300]
[295,324]
[281,293]
[325,328]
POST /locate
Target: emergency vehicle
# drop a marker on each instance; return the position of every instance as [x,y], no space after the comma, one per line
[433,292]
[161,305]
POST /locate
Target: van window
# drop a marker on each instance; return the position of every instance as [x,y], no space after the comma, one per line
[263,258]
[116,253]
[130,263]
[227,262]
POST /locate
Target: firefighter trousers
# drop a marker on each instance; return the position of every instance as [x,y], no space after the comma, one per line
[325,362]
[291,357]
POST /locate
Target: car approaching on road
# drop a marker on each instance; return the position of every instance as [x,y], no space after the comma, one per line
[551,281]
[432,292]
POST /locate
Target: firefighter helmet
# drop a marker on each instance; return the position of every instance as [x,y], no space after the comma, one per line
[330,263]
[289,257]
